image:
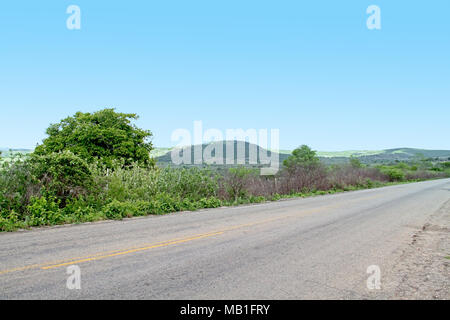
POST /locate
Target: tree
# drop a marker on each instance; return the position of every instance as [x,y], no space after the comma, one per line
[302,157]
[104,135]
[355,162]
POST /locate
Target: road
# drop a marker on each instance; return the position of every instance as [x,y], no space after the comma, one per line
[311,248]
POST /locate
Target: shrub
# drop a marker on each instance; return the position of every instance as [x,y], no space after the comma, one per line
[209,203]
[9,221]
[43,211]
[17,185]
[304,179]
[118,210]
[193,183]
[62,175]
[236,182]
[137,183]
[394,174]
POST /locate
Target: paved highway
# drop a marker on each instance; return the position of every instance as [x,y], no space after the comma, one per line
[312,248]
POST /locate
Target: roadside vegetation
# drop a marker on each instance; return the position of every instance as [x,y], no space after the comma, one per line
[97,166]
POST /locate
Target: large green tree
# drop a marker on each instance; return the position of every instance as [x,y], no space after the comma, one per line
[104,135]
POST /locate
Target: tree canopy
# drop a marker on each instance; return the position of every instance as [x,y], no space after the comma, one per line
[302,156]
[103,136]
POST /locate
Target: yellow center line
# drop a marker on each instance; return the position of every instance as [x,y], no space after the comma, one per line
[114,253]
[129,251]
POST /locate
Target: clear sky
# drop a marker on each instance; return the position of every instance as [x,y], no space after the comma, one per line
[309,68]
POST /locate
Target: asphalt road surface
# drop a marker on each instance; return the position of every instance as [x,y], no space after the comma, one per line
[311,248]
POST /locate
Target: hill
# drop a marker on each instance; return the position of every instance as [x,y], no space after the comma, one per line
[242,153]
[163,155]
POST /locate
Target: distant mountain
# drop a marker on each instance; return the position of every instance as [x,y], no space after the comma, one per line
[385,156]
[163,155]
[241,153]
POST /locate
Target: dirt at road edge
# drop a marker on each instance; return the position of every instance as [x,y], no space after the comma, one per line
[423,269]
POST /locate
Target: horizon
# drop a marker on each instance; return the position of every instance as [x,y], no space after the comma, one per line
[2,148]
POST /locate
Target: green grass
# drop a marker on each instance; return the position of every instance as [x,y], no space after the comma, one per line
[158,152]
[348,153]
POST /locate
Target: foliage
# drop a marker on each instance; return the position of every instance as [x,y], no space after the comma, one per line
[43,211]
[303,156]
[62,175]
[237,180]
[394,174]
[97,166]
[355,162]
[102,136]
[17,184]
[138,183]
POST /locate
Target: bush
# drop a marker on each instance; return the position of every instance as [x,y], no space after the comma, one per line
[137,183]
[118,210]
[62,175]
[9,221]
[17,185]
[42,211]
[394,174]
[236,182]
[162,204]
[193,183]
[81,210]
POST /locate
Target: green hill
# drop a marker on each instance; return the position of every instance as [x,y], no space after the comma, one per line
[163,155]
[238,157]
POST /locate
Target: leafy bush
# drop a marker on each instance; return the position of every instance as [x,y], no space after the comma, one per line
[62,175]
[10,221]
[394,174]
[43,211]
[118,210]
[17,184]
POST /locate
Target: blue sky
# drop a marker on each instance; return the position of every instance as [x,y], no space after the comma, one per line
[311,69]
